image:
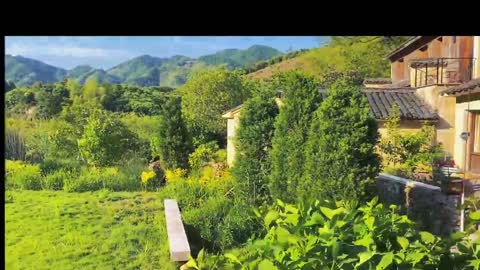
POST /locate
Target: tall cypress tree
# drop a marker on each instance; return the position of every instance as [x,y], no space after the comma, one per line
[174,142]
[340,153]
[291,132]
[253,143]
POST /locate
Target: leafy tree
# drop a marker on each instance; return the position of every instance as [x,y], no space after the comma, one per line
[366,55]
[144,100]
[340,153]
[291,132]
[204,154]
[253,144]
[19,100]
[174,141]
[78,113]
[73,87]
[50,99]
[106,139]
[92,90]
[114,100]
[205,96]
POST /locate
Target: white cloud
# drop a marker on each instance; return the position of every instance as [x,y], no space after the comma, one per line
[66,51]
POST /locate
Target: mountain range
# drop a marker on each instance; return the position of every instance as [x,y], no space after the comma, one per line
[144,70]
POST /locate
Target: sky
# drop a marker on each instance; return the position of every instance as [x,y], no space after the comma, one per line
[105,52]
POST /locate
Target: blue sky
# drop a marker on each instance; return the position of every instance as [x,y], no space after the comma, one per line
[105,52]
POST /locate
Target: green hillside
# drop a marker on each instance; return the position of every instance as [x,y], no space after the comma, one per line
[144,70]
[235,58]
[25,71]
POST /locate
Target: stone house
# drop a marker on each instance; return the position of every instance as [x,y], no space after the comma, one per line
[433,78]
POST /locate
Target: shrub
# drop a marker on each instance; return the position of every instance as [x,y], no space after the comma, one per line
[106,139]
[327,235]
[91,179]
[221,155]
[14,145]
[174,141]
[204,154]
[174,175]
[20,175]
[55,180]
[253,143]
[50,165]
[147,177]
[409,151]
[212,217]
[132,169]
[340,154]
[291,132]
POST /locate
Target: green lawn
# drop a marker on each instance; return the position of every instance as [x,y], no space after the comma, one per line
[93,230]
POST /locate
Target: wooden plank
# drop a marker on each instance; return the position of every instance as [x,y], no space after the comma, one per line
[177,238]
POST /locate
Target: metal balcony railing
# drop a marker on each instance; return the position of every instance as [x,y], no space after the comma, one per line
[440,71]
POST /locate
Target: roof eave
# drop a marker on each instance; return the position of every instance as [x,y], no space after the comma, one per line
[407,44]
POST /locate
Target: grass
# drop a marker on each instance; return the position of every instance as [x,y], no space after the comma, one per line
[313,62]
[92,230]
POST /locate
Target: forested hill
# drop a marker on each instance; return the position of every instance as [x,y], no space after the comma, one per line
[144,70]
[364,55]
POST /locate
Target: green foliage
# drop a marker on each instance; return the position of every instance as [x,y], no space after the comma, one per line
[106,139]
[15,148]
[291,132]
[205,97]
[55,180]
[326,235]
[50,99]
[25,71]
[413,150]
[366,55]
[21,175]
[18,101]
[252,146]
[144,100]
[274,60]
[174,141]
[235,58]
[78,113]
[213,218]
[111,178]
[340,152]
[204,154]
[144,70]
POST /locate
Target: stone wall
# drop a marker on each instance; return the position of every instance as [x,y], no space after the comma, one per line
[425,204]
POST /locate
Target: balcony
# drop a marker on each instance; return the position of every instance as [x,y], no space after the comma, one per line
[440,71]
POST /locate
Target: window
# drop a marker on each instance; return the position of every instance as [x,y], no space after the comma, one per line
[476,136]
[454,39]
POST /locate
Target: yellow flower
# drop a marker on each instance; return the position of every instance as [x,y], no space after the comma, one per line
[147,176]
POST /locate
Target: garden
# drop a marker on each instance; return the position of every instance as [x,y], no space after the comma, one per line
[88,167]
